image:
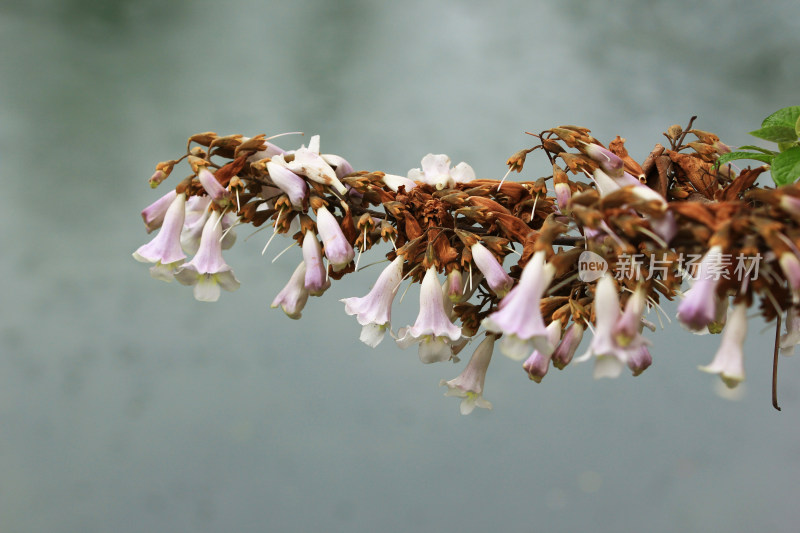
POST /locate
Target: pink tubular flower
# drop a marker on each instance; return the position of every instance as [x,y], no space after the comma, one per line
[608,161]
[566,349]
[293,296]
[729,360]
[790,265]
[433,330]
[497,278]
[563,196]
[311,165]
[316,281]
[698,307]
[340,165]
[519,317]
[469,384]
[153,214]
[454,286]
[626,331]
[218,194]
[208,271]
[165,248]
[337,249]
[293,185]
[538,363]
[639,360]
[374,311]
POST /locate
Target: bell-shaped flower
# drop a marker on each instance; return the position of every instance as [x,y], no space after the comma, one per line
[433,329]
[519,318]
[153,214]
[538,363]
[627,330]
[311,165]
[293,185]
[729,359]
[698,307]
[454,286]
[374,311]
[197,214]
[566,349]
[563,195]
[611,358]
[436,172]
[208,271]
[469,384]
[316,281]
[165,248]
[340,165]
[294,295]
[395,182]
[218,194]
[497,278]
[337,249]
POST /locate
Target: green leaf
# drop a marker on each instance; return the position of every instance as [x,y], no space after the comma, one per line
[776,134]
[785,146]
[733,156]
[786,166]
[787,116]
[762,150]
[797,127]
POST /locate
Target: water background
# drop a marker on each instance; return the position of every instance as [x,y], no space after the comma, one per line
[127,406]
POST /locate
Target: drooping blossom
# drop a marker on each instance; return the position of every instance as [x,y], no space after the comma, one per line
[698,307]
[316,281]
[197,214]
[310,164]
[337,249]
[469,384]
[290,183]
[519,318]
[566,349]
[496,277]
[791,338]
[294,295]
[165,248]
[436,171]
[374,311]
[639,360]
[538,363]
[790,265]
[454,286]
[433,329]
[153,214]
[208,271]
[729,359]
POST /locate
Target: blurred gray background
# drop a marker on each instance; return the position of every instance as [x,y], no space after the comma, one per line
[127,406]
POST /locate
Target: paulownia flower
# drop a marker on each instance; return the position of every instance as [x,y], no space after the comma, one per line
[294,295]
[469,384]
[337,248]
[436,171]
[729,359]
[293,185]
[566,349]
[153,214]
[519,317]
[316,281]
[208,271]
[165,248]
[497,278]
[433,330]
[374,311]
[698,307]
[538,363]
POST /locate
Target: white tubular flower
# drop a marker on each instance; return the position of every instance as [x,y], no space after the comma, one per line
[519,317]
[436,172]
[337,249]
[165,248]
[639,360]
[311,165]
[538,363]
[698,308]
[433,330]
[626,331]
[454,286]
[208,271]
[608,160]
[469,384]
[219,194]
[729,360]
[790,265]
[497,278]
[153,214]
[316,281]
[340,165]
[293,185]
[395,182]
[374,311]
[193,225]
[293,296]
[610,357]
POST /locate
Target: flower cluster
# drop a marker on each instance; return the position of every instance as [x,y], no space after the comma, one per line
[452,233]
